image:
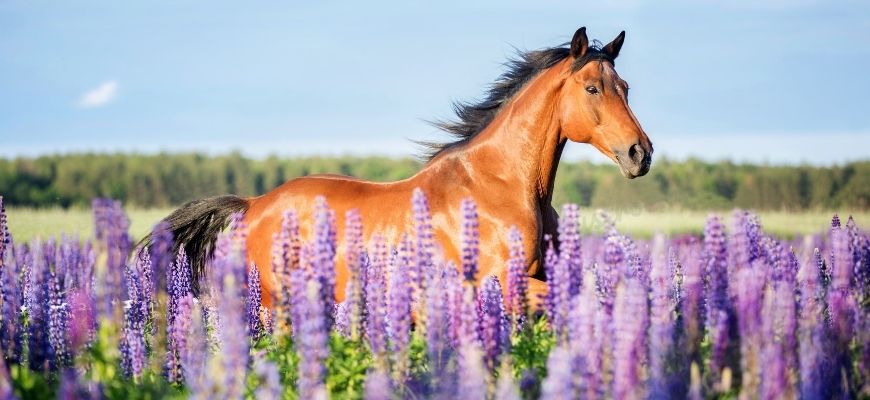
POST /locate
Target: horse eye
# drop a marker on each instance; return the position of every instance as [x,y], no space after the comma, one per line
[591,90]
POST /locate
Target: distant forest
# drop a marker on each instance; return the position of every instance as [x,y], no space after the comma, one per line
[164,180]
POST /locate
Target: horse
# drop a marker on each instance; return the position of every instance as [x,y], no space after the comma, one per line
[505,156]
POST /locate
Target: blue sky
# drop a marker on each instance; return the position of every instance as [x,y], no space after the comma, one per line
[764,81]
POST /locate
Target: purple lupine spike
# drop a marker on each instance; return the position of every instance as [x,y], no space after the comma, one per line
[778,327]
[341,316]
[286,248]
[455,290]
[313,343]
[72,386]
[37,306]
[569,246]
[193,355]
[354,256]
[59,316]
[375,324]
[629,327]
[160,253]
[662,311]
[506,388]
[470,240]
[860,245]
[228,278]
[835,221]
[5,382]
[399,305]
[472,373]
[424,247]
[177,334]
[437,323]
[841,303]
[377,385]
[132,344]
[518,278]
[558,383]
[324,254]
[582,340]
[110,230]
[252,303]
[178,283]
[551,258]
[560,296]
[748,290]
[811,331]
[716,262]
[270,381]
[493,326]
[145,268]
[692,304]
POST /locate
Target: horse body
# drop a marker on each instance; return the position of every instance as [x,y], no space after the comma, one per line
[506,160]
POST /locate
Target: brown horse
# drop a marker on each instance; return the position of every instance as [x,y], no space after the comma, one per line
[506,156]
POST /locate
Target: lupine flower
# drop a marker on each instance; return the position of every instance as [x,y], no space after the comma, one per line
[472,376]
[133,341]
[270,380]
[354,256]
[518,277]
[375,317]
[716,261]
[5,386]
[228,277]
[470,239]
[841,304]
[399,309]
[177,335]
[558,384]
[583,343]
[749,287]
[324,252]
[506,388]
[160,253]
[494,330]
[437,323]
[377,385]
[193,357]
[661,319]
[59,316]
[778,316]
[810,328]
[178,283]
[286,248]
[72,386]
[692,299]
[252,303]
[313,343]
[569,246]
[424,246]
[629,326]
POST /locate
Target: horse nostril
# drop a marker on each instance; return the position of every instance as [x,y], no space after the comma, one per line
[636,153]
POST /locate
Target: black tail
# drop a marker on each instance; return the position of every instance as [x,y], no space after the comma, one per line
[196,226]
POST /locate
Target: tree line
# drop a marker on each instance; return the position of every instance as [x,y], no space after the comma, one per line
[170,179]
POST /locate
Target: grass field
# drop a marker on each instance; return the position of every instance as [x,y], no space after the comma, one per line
[28,223]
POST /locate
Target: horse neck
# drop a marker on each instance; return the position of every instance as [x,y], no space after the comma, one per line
[522,145]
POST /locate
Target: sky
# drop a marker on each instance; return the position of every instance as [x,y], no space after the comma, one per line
[781,82]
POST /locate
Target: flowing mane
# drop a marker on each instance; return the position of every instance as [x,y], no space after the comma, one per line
[473,117]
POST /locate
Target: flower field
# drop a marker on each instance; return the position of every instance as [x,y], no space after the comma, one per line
[731,313]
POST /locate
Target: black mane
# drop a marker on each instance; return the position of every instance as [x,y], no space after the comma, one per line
[473,117]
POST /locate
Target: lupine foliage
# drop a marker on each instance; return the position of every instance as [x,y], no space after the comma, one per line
[733,313]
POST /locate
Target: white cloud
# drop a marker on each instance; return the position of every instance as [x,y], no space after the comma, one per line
[99,96]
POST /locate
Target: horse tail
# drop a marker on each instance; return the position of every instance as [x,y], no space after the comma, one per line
[196,226]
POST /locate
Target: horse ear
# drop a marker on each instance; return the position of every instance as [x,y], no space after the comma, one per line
[580,43]
[612,48]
